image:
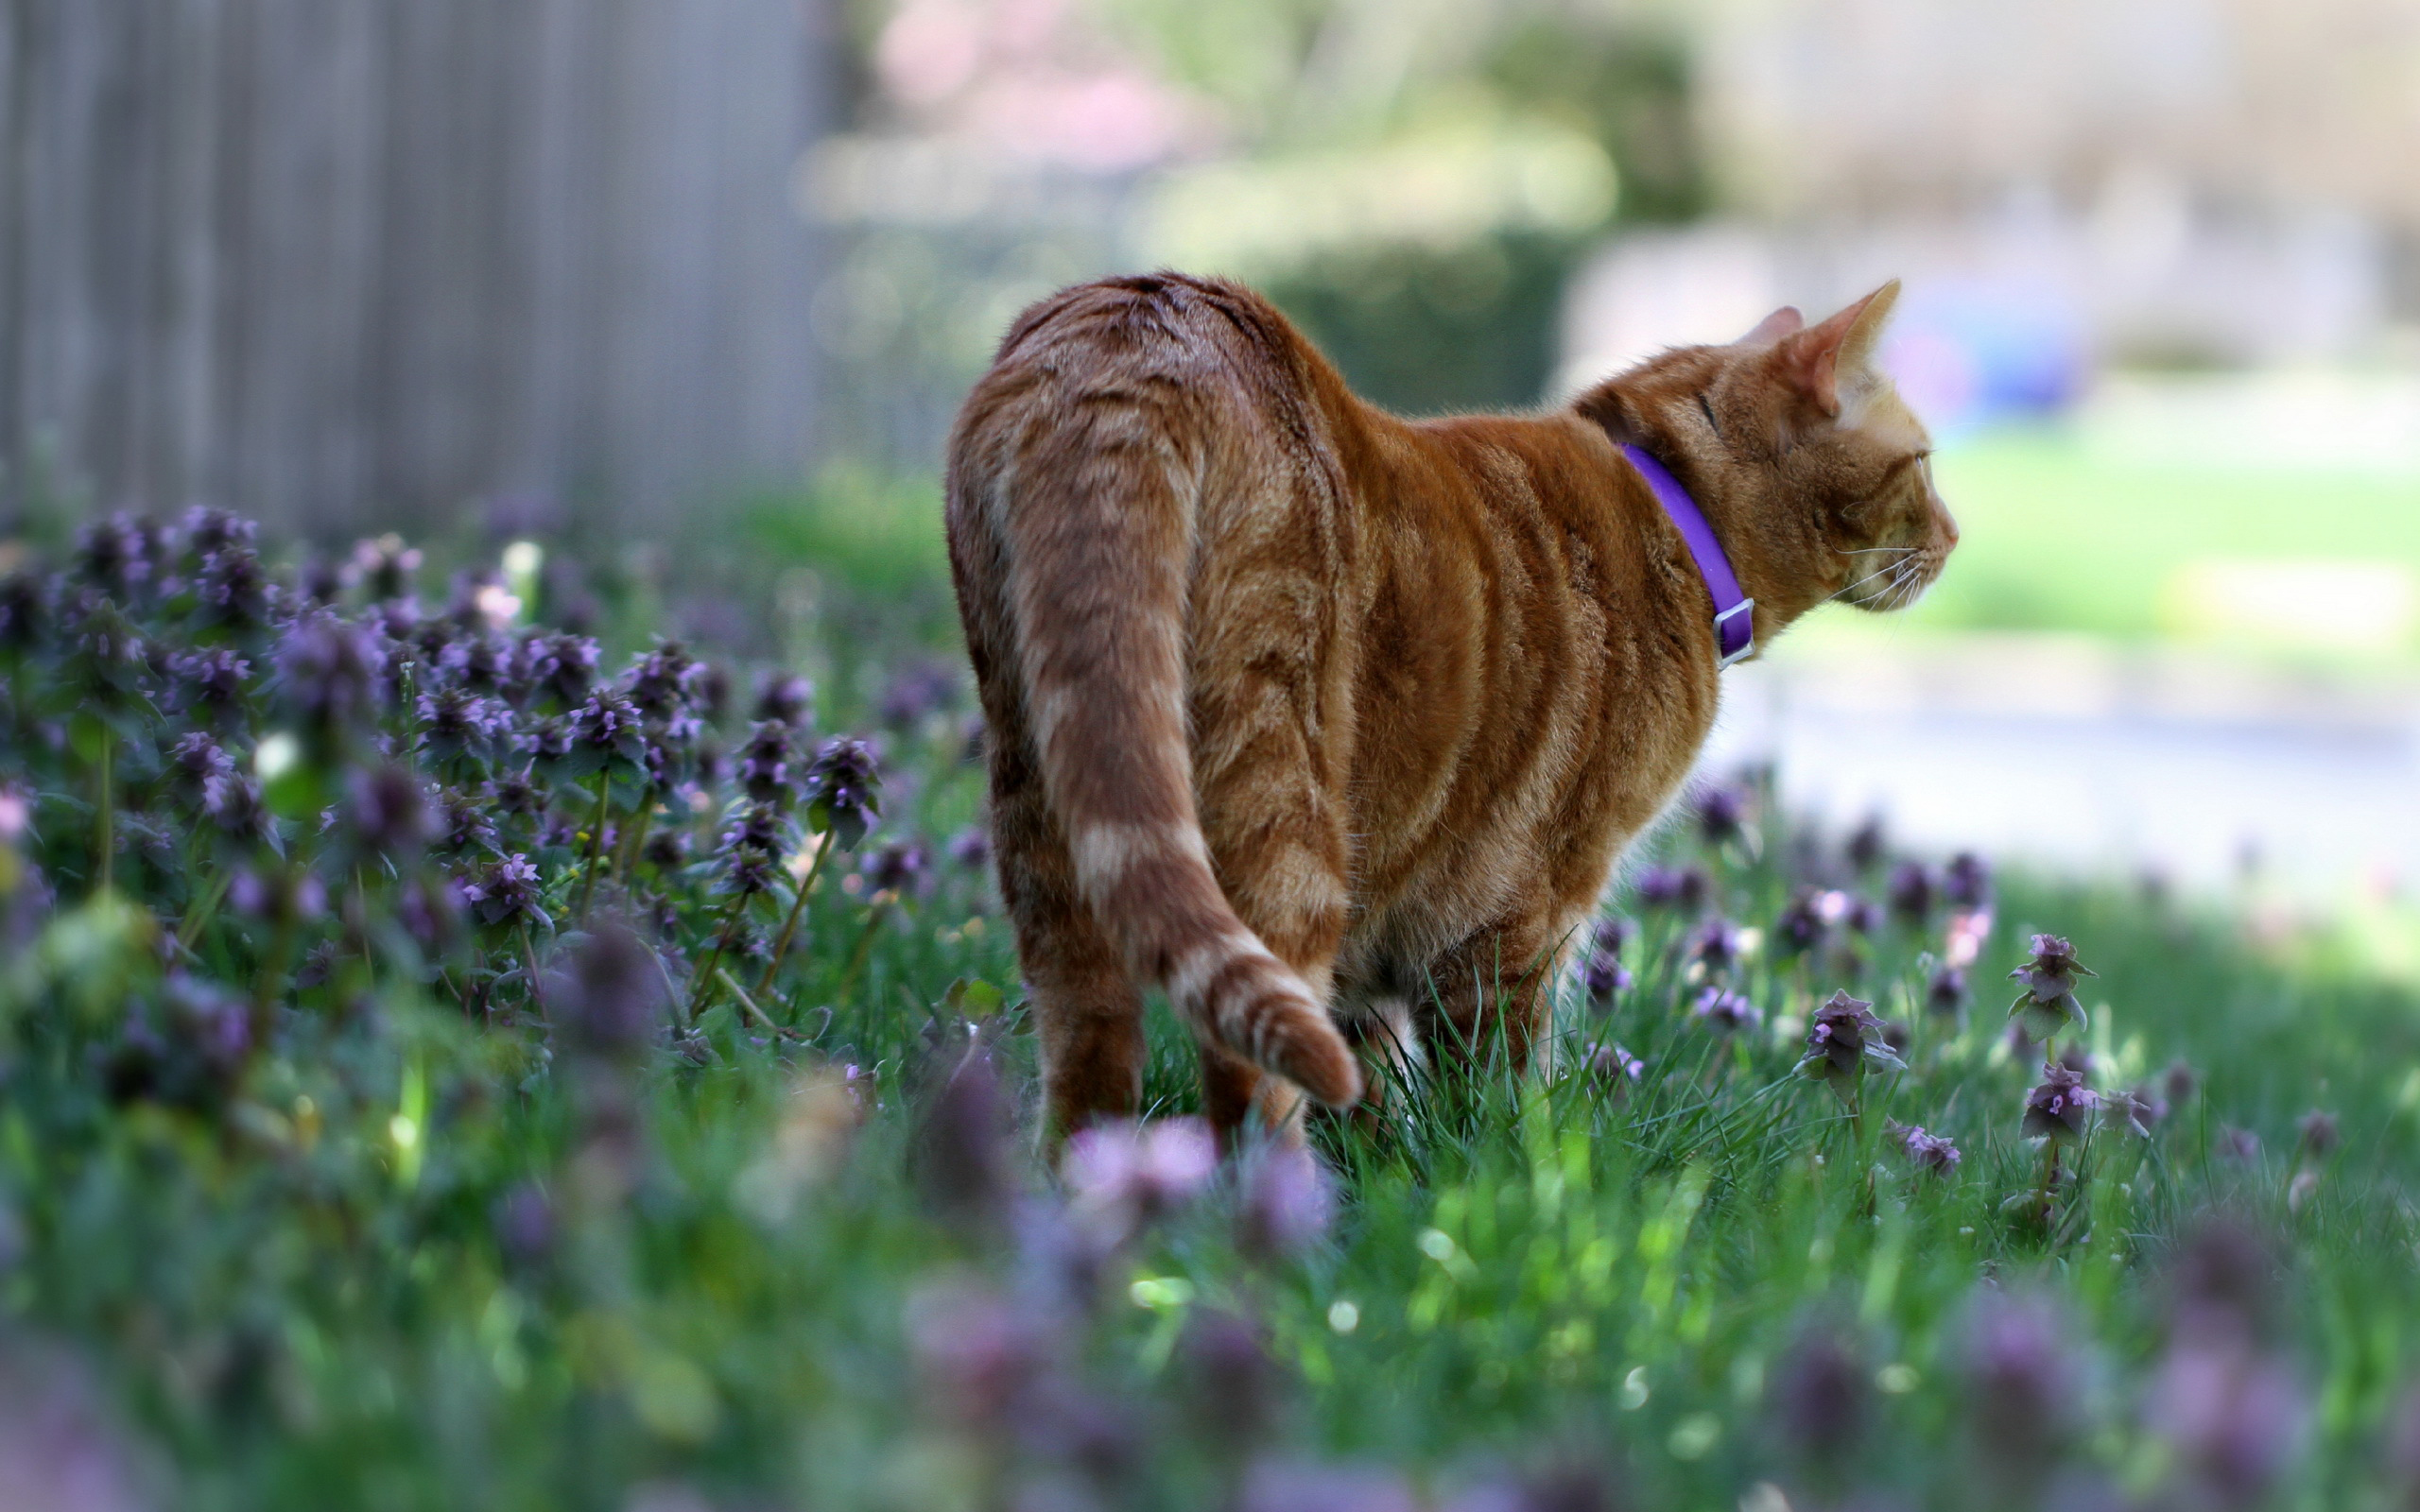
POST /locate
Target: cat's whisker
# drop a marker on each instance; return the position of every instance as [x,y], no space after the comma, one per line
[1905,552]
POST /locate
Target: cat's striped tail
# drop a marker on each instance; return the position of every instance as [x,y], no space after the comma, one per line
[1096,535]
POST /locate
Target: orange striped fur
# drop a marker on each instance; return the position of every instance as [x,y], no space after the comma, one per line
[1320,719]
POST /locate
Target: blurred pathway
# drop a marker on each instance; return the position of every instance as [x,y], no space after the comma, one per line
[2070,753]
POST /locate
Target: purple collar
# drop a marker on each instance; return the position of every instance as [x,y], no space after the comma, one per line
[1735,618]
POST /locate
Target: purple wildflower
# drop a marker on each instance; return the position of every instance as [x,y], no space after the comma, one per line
[462,822]
[662,682]
[2048,1005]
[212,680]
[1603,976]
[2056,1110]
[1925,1151]
[843,791]
[2320,1135]
[457,724]
[1845,1036]
[606,726]
[506,891]
[764,763]
[1122,1176]
[234,803]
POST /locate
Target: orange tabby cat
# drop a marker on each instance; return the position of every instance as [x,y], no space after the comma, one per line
[1308,713]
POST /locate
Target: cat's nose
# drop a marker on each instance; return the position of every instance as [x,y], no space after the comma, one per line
[1948,526]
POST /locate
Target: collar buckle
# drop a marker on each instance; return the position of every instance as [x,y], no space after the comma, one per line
[1747,641]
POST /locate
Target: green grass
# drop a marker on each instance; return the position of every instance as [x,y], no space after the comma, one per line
[427,1236]
[2059,535]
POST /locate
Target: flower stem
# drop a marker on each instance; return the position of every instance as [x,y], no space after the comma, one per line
[627,860]
[105,815]
[530,964]
[863,949]
[823,848]
[596,846]
[703,993]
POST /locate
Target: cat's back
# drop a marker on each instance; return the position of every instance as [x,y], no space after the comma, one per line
[1194,358]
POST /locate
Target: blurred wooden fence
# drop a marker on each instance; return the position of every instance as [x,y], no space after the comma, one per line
[346,264]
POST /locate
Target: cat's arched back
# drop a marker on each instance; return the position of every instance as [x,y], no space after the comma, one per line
[1322,718]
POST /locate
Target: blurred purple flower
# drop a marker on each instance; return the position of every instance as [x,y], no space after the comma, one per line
[979,1356]
[663,682]
[969,848]
[1720,813]
[785,698]
[284,894]
[1913,893]
[212,680]
[1232,1380]
[763,767]
[390,814]
[330,670]
[1820,1399]
[1122,1176]
[1715,944]
[897,866]
[1603,976]
[1720,1008]
[1611,1065]
[1682,889]
[462,822]
[2024,1373]
[918,689]
[1945,993]
[962,1150]
[1800,925]
[2138,1112]
[523,1221]
[383,567]
[234,803]
[1866,845]
[608,998]
[1273,1486]
[2320,1135]
[1285,1204]
[1967,884]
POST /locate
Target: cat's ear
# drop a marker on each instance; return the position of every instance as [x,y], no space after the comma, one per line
[1810,361]
[1782,322]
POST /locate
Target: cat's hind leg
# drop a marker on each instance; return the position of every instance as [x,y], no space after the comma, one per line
[1486,997]
[1086,1010]
[1279,855]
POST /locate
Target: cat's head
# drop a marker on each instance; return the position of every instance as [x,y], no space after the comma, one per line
[1800,420]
